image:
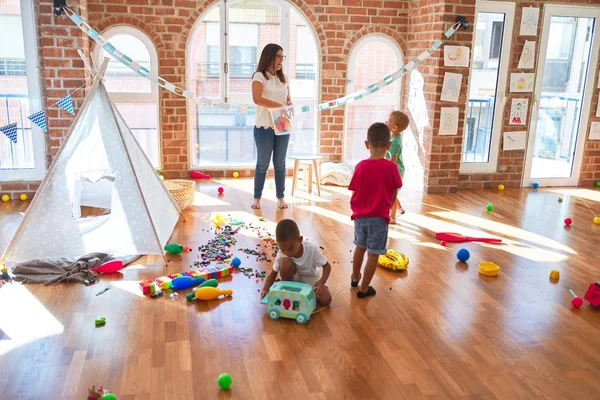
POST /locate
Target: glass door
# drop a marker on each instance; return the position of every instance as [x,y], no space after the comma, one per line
[563,93]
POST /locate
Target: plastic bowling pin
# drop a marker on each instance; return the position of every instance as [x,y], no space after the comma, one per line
[174,248]
[184,282]
[211,293]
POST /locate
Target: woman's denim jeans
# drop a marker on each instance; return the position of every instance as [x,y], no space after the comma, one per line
[268,143]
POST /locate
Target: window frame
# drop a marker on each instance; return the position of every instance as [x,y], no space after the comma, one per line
[225,75]
[374,99]
[125,97]
[501,88]
[34,94]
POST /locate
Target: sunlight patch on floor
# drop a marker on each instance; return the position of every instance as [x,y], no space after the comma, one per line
[132,287]
[204,200]
[593,195]
[503,229]
[26,319]
[247,186]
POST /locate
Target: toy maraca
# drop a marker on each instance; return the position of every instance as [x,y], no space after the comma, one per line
[575,301]
[211,293]
[209,283]
[184,282]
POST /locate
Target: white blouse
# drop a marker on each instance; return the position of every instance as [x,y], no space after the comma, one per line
[274,90]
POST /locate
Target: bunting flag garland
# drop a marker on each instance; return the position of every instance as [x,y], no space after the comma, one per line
[39,118]
[373,88]
[66,104]
[10,131]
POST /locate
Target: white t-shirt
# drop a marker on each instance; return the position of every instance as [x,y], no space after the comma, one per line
[274,90]
[310,264]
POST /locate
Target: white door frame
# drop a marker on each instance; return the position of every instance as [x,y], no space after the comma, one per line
[508,9]
[568,11]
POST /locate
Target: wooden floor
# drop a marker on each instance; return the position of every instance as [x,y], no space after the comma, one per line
[440,330]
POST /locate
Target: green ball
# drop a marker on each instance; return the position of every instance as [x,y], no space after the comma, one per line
[224,381]
[108,396]
[597,183]
[489,207]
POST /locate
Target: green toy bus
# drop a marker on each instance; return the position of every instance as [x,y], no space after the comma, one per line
[290,300]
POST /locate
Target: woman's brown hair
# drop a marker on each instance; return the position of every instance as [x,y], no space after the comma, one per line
[266,60]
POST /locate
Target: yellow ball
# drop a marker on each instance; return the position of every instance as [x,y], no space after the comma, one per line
[235,174]
[500,187]
[23,197]
[5,197]
[597,220]
[162,178]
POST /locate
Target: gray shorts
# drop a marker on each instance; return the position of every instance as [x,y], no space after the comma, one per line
[371,234]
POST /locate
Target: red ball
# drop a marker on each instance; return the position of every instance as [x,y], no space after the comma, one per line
[220,190]
[576,302]
[568,221]
[443,243]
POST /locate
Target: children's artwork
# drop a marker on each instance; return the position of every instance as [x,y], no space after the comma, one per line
[449,121]
[456,56]
[529,21]
[521,82]
[518,111]
[451,87]
[595,131]
[527,60]
[282,120]
[514,140]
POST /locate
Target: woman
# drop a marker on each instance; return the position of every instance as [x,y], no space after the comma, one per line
[270,89]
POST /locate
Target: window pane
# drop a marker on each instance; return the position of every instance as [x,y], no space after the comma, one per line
[142,119]
[483,87]
[120,78]
[14,96]
[205,57]
[252,25]
[373,62]
[302,58]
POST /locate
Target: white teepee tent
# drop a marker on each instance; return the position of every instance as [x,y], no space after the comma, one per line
[98,150]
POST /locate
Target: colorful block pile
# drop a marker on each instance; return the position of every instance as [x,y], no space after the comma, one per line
[153,286]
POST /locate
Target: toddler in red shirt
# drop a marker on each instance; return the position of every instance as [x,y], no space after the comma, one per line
[375,184]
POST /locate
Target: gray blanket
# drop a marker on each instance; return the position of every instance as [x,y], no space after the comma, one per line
[63,269]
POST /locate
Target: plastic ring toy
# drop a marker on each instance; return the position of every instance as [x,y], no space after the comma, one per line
[393,260]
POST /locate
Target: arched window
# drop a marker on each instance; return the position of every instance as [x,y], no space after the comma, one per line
[372,58]
[221,60]
[136,97]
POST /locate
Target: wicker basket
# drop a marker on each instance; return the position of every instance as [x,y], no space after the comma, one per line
[182,191]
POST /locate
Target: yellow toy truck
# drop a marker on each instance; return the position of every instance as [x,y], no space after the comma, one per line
[290,300]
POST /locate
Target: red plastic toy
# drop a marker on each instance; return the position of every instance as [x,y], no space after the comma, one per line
[593,294]
[109,267]
[198,175]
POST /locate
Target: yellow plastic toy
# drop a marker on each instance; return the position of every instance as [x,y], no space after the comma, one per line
[211,293]
[554,275]
[217,220]
[489,269]
[393,260]
[23,197]
[5,197]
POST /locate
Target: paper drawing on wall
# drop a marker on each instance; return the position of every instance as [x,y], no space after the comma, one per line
[514,140]
[595,131]
[456,56]
[527,60]
[518,111]
[529,21]
[448,121]
[521,82]
[451,87]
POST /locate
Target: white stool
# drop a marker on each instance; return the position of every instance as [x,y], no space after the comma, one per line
[309,164]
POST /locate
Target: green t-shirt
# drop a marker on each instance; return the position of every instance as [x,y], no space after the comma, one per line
[396,149]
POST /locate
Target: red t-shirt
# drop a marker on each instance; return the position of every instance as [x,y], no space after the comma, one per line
[373,184]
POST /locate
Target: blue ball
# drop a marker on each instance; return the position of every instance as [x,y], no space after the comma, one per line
[463,255]
[236,262]
[535,185]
